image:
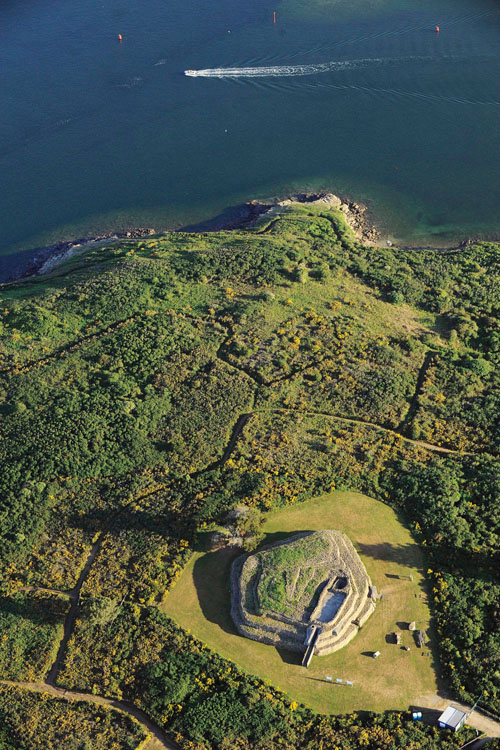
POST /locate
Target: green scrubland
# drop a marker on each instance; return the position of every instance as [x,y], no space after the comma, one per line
[149,386]
[39,721]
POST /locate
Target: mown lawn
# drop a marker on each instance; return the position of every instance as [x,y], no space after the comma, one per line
[200,602]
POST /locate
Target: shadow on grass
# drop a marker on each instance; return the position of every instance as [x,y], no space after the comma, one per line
[290,657]
[40,610]
[332,683]
[212,580]
[404,554]
[202,543]
[279,536]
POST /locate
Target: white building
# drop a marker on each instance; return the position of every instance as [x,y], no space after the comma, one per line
[452,718]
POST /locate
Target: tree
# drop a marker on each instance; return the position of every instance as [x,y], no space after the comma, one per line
[103,611]
[249,526]
[323,272]
[479,365]
[396,297]
[245,526]
[301,275]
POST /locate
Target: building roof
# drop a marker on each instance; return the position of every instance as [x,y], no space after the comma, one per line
[452,717]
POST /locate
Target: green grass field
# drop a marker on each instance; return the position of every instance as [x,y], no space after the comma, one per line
[200,602]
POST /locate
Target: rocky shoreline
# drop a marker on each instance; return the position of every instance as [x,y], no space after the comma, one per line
[357,215]
[42,259]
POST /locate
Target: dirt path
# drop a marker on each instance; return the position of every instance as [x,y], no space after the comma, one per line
[477,720]
[124,707]
[349,420]
[74,595]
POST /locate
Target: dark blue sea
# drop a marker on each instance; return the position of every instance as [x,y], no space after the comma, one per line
[362,98]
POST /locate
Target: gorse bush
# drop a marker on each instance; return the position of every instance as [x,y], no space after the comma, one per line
[38,721]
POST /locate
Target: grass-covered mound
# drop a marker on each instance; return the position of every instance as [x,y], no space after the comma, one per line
[148,386]
[290,574]
[201,602]
[310,583]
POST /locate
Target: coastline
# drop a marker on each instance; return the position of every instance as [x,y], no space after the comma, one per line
[357,215]
[42,260]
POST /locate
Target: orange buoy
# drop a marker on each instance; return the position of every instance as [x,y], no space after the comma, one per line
[120,38]
[437,29]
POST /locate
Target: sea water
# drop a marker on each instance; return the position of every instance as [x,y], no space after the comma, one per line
[365,99]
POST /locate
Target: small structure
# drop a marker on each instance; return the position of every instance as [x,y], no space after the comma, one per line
[420,636]
[372,593]
[376,654]
[397,638]
[311,630]
[452,718]
[313,633]
[412,626]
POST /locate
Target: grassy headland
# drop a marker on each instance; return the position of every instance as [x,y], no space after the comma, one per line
[149,386]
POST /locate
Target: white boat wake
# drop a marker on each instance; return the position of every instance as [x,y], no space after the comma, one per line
[279,71]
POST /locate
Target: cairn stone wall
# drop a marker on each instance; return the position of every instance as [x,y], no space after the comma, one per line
[344,570]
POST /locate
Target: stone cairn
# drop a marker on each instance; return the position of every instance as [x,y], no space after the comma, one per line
[333,571]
